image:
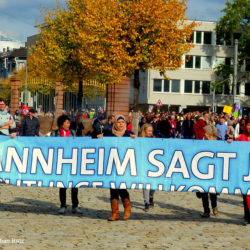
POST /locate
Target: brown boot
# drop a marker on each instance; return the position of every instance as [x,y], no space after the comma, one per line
[127,208]
[115,210]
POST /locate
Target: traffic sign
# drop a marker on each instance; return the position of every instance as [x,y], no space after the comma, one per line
[159,103]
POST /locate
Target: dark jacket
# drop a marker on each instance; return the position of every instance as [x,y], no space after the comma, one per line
[29,127]
[188,128]
[78,127]
[164,128]
[107,129]
[97,128]
[56,133]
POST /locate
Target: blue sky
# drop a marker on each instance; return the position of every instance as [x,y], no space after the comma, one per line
[18,17]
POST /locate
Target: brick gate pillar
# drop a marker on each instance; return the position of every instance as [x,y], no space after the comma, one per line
[58,102]
[118,96]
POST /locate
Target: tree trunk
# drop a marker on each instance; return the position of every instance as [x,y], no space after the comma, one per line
[79,96]
[136,88]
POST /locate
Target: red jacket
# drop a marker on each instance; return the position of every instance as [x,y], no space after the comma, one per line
[245,138]
[198,128]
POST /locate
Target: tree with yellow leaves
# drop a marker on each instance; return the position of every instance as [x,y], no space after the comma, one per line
[5,88]
[108,40]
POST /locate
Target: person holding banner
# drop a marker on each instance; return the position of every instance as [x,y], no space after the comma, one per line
[210,133]
[63,123]
[119,130]
[246,198]
[148,195]
[6,120]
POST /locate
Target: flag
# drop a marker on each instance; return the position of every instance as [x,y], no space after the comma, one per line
[25,110]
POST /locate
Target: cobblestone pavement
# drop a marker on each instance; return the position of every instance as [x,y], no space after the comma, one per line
[29,220]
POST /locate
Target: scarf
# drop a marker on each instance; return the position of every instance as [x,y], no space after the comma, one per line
[115,131]
[64,133]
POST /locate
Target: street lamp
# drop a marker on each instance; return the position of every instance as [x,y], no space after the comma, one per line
[235,76]
[26,85]
[217,83]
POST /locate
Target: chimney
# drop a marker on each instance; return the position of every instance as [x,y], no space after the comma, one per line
[3,49]
[8,49]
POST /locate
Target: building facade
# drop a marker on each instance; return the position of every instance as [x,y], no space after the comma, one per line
[189,87]
[11,60]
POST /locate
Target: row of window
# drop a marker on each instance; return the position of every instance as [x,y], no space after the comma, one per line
[198,62]
[205,62]
[205,37]
[201,37]
[193,87]
[173,86]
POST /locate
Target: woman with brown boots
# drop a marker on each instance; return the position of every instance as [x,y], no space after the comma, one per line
[119,130]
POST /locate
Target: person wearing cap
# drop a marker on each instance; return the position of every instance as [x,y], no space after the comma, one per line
[30,125]
[119,129]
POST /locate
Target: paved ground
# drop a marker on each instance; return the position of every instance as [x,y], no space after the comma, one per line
[29,220]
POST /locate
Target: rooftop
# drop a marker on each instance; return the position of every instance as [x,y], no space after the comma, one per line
[21,52]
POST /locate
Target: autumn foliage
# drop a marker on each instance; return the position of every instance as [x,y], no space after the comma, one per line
[107,40]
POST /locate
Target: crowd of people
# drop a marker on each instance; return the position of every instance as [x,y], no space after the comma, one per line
[191,125]
[194,125]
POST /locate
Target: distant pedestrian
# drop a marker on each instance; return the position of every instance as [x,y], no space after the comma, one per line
[222,129]
[188,128]
[200,124]
[164,127]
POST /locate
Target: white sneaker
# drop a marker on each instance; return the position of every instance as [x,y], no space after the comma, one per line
[62,210]
[76,210]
